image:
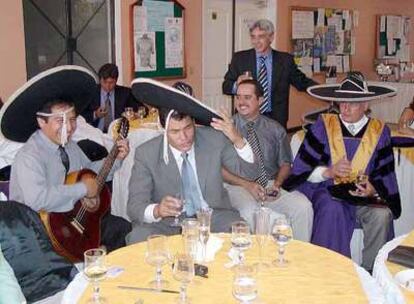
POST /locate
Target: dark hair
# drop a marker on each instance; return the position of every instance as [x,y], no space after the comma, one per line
[163,113]
[47,107]
[183,87]
[258,89]
[108,70]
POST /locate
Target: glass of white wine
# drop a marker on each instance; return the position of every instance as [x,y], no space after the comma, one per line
[183,272]
[157,255]
[240,238]
[95,271]
[282,234]
[191,235]
[204,218]
[244,284]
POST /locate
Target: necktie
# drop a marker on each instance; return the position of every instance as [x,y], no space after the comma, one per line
[189,186]
[262,78]
[254,144]
[64,158]
[108,116]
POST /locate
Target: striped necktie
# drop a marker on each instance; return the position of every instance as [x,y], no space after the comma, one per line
[255,145]
[262,78]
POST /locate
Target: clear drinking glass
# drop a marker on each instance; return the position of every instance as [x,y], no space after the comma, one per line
[191,235]
[262,231]
[183,272]
[95,271]
[282,234]
[177,222]
[240,238]
[157,255]
[244,284]
[204,219]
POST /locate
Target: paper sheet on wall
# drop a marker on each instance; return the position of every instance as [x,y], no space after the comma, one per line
[346,16]
[339,67]
[391,45]
[382,24]
[345,62]
[157,11]
[302,24]
[331,60]
[145,52]
[394,27]
[353,39]
[317,65]
[339,42]
[321,17]
[140,18]
[174,43]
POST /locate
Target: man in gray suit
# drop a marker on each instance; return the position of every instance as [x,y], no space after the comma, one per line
[157,176]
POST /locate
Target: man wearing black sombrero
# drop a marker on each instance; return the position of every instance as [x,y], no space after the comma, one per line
[345,166]
[42,113]
[186,161]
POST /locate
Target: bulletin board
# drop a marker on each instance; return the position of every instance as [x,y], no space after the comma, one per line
[322,38]
[393,32]
[157,39]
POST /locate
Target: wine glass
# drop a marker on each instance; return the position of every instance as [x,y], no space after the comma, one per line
[204,218]
[191,235]
[177,222]
[282,234]
[262,230]
[157,255]
[244,284]
[95,271]
[183,272]
[240,238]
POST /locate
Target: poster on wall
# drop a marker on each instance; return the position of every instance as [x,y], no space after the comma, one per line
[174,43]
[302,25]
[145,51]
[157,11]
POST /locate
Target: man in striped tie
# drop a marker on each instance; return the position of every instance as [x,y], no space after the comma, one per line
[268,141]
[274,70]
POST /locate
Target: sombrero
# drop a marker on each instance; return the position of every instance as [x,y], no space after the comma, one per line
[159,95]
[353,88]
[68,83]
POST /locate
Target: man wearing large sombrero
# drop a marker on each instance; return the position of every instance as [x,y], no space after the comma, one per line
[179,173]
[42,113]
[345,166]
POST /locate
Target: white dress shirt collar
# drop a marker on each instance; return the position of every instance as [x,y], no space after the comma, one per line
[355,127]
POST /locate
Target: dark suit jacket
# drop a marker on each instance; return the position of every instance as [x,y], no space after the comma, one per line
[123,99]
[284,73]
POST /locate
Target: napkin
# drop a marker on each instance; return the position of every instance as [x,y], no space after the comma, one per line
[402,255]
[213,246]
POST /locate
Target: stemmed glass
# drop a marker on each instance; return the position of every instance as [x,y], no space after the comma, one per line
[262,230]
[183,272]
[282,234]
[177,222]
[240,238]
[244,284]
[95,271]
[191,235]
[204,218]
[157,255]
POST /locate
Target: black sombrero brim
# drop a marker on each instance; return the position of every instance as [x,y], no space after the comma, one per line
[69,83]
[159,95]
[329,92]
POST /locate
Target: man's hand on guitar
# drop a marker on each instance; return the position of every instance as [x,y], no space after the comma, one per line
[169,206]
[123,148]
[91,186]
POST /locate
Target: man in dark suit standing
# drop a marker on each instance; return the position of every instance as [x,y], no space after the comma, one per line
[274,70]
[110,99]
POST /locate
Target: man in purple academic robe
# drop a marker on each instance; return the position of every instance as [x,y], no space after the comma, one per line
[336,150]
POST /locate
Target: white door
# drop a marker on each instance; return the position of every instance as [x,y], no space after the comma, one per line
[217,41]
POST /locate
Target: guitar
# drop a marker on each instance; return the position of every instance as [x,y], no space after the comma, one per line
[75,231]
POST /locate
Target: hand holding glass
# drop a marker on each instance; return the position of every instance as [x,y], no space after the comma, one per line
[240,238]
[282,234]
[183,272]
[95,271]
[157,255]
[177,222]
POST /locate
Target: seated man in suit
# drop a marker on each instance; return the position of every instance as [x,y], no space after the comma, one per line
[274,157]
[110,99]
[345,166]
[186,157]
[406,120]
[47,124]
[274,70]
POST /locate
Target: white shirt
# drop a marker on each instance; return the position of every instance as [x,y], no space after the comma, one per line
[246,153]
[317,174]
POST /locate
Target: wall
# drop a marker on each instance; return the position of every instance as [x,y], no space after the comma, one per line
[12,50]
[365,39]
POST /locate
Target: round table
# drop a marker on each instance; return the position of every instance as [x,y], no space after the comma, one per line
[313,275]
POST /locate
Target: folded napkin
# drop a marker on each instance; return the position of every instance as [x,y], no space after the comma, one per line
[213,245]
[402,255]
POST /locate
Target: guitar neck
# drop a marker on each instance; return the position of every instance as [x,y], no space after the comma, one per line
[106,167]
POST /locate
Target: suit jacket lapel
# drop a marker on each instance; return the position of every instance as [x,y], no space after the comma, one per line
[252,63]
[171,170]
[276,70]
[202,163]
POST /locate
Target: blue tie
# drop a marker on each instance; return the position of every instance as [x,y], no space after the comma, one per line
[189,186]
[262,78]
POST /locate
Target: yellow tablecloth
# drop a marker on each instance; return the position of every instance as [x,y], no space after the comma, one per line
[394,268]
[314,275]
